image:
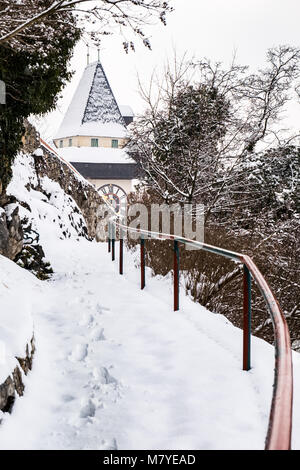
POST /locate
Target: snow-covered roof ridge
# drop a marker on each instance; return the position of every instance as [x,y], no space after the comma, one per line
[93,110]
[126,110]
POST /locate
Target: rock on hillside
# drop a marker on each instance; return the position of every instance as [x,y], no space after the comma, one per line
[46,200]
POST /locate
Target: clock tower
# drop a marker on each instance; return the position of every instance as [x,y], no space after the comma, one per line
[93,135]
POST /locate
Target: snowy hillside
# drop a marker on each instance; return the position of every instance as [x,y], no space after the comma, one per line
[42,211]
[52,201]
[112,363]
[49,211]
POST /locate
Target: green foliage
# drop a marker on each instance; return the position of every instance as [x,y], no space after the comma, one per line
[32,258]
[199,114]
[33,78]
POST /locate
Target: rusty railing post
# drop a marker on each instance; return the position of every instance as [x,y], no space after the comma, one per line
[281,413]
[121,252]
[109,242]
[143,277]
[176,275]
[113,236]
[247,319]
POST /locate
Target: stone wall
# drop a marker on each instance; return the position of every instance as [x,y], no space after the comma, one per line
[14,385]
[83,193]
[47,163]
[11,232]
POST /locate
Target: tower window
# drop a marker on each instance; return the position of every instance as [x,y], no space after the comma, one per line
[70,142]
[115,144]
[94,142]
[61,143]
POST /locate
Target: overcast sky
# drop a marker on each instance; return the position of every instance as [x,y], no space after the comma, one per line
[203,28]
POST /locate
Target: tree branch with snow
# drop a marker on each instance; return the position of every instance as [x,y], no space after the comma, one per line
[97,18]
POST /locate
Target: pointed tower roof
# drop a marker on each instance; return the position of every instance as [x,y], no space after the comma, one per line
[93,110]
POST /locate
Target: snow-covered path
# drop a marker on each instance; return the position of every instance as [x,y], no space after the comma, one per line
[115,367]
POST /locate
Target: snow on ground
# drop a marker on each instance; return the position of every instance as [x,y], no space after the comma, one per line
[115,367]
[16,325]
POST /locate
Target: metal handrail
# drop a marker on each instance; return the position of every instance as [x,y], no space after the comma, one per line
[280,420]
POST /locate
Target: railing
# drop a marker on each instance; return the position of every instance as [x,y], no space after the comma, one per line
[280,421]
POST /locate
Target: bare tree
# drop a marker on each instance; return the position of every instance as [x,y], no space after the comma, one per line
[202,121]
[233,160]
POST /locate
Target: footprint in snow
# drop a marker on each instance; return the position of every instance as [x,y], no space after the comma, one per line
[102,375]
[86,320]
[97,334]
[79,353]
[67,398]
[100,309]
[74,301]
[88,408]
[108,444]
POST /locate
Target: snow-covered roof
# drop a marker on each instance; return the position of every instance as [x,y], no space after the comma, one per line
[126,110]
[93,110]
[94,155]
